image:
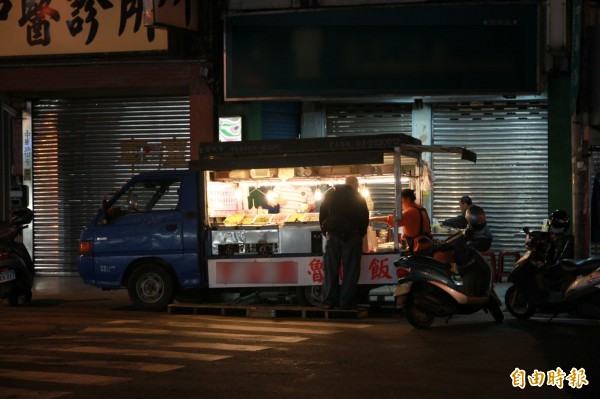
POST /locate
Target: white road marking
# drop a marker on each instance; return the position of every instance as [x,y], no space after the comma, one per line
[62,378]
[135,352]
[111,364]
[219,346]
[131,366]
[19,393]
[155,343]
[204,334]
[123,322]
[275,322]
[223,326]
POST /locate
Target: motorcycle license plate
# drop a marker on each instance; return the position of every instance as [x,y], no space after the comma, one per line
[9,275]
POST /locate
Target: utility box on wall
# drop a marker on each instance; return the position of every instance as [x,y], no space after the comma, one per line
[19,196]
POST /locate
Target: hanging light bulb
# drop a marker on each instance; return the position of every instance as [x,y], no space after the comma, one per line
[318,194]
[365,192]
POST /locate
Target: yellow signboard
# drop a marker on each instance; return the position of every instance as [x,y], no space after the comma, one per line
[48,27]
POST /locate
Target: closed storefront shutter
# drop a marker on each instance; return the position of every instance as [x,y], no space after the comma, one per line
[510,179]
[85,149]
[367,119]
[280,120]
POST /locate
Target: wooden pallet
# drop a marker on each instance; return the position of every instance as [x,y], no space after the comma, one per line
[267,311]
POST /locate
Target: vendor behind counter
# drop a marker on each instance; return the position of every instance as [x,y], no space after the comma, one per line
[293,199]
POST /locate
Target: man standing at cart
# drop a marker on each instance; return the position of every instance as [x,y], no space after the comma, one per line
[344,218]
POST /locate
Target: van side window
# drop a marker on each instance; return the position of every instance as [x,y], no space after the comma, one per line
[146,196]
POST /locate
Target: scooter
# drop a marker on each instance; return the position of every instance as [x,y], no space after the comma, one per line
[427,288]
[16,267]
[564,287]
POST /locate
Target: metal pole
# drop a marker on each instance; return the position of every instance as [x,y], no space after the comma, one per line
[28,171]
[397,194]
[581,185]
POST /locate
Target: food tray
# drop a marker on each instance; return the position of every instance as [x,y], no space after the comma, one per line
[280,218]
[233,220]
[311,217]
[262,219]
[294,218]
[248,220]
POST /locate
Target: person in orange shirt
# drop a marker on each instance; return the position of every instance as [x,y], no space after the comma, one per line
[415,220]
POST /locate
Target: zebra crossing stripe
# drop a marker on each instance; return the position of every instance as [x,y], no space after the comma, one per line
[112,364]
[219,346]
[129,321]
[274,322]
[135,352]
[62,378]
[157,344]
[20,393]
[197,334]
[228,326]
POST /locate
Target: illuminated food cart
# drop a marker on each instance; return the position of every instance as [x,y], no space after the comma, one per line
[249,242]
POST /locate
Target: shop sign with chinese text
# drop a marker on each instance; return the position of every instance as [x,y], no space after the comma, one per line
[52,27]
[376,269]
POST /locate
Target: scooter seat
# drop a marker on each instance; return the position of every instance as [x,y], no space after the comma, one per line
[427,261]
[580,267]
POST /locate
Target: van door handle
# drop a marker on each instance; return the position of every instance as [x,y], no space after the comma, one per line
[171,227]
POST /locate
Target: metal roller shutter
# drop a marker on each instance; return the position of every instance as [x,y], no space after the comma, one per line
[280,120]
[366,119]
[84,149]
[510,179]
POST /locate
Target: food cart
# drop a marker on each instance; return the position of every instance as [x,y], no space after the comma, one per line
[249,243]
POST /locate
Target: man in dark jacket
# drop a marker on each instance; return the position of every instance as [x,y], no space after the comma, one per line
[459,222]
[344,218]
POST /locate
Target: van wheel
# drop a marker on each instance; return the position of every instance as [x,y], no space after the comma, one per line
[310,295]
[518,304]
[418,317]
[151,288]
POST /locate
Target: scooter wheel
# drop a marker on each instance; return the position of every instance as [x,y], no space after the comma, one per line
[518,304]
[418,317]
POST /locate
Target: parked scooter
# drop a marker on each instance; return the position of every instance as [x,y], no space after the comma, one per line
[16,267]
[543,281]
[426,288]
[580,290]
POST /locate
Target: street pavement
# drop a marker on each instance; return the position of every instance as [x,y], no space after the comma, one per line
[75,341]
